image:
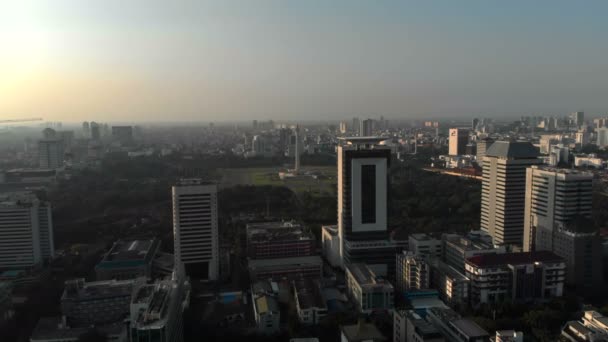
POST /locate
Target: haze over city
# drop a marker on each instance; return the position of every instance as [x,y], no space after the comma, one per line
[307,60]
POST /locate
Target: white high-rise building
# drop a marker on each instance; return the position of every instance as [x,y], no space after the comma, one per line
[26,230]
[459,138]
[602,136]
[503,190]
[195,228]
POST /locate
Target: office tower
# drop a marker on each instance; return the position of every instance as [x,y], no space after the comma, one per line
[362,195]
[459,138]
[366,128]
[86,129]
[582,138]
[503,190]
[50,153]
[195,228]
[122,134]
[356,124]
[527,276]
[298,149]
[255,124]
[577,119]
[474,123]
[95,131]
[26,231]
[557,219]
[602,137]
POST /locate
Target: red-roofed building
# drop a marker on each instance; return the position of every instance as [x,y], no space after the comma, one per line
[529,276]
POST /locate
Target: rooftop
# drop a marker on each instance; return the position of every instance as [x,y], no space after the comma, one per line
[448,270]
[365,276]
[512,149]
[193,181]
[362,332]
[306,260]
[362,140]
[17,198]
[489,260]
[50,328]
[422,237]
[309,294]
[129,253]
[470,328]
[277,231]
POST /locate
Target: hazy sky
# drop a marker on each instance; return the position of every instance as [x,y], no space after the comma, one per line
[229,60]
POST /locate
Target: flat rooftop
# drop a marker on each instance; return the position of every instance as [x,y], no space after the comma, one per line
[129,253]
[309,294]
[448,270]
[17,199]
[422,237]
[363,140]
[305,260]
[277,231]
[365,276]
[489,260]
[470,328]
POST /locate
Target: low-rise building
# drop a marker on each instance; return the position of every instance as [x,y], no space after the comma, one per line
[330,242]
[593,326]
[508,336]
[267,314]
[286,268]
[452,285]
[269,240]
[408,326]
[128,259]
[361,332]
[412,273]
[95,303]
[310,302]
[458,248]
[456,328]
[527,276]
[425,245]
[368,291]
[156,310]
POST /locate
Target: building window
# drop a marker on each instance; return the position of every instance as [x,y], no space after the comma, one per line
[368,194]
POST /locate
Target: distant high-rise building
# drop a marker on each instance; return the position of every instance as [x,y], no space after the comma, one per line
[95,131]
[577,118]
[50,153]
[366,128]
[504,190]
[356,124]
[482,147]
[343,127]
[459,138]
[26,231]
[298,149]
[602,136]
[474,123]
[67,137]
[86,129]
[195,228]
[557,218]
[255,124]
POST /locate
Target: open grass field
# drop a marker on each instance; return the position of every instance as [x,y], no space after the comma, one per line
[324,182]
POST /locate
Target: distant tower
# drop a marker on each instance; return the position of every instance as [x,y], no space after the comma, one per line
[297,164]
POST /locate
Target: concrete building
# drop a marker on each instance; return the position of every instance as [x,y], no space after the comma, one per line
[343,127]
[330,242]
[577,119]
[50,153]
[311,306]
[459,138]
[55,329]
[558,212]
[369,292]
[508,336]
[456,328]
[522,277]
[26,231]
[362,197]
[268,240]
[589,161]
[95,131]
[286,268]
[425,245]
[458,248]
[195,228]
[602,137]
[504,190]
[93,303]
[453,286]
[266,312]
[128,260]
[361,332]
[366,128]
[156,310]
[593,327]
[408,326]
[412,273]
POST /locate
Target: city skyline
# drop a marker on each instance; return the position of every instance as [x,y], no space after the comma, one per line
[288,60]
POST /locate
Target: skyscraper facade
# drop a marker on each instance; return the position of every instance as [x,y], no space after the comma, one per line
[459,138]
[195,228]
[366,128]
[26,231]
[504,190]
[50,153]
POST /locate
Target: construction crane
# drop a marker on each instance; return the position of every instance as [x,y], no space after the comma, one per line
[19,120]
